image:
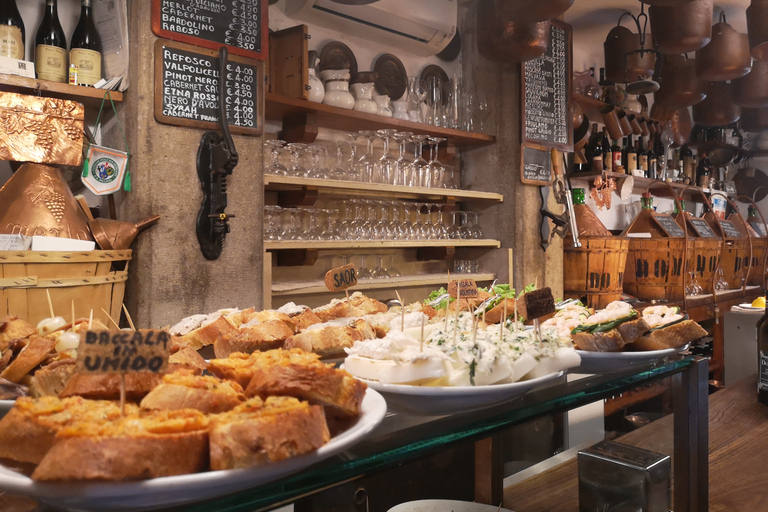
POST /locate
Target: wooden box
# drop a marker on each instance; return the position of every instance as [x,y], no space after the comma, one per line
[595,270]
[289,62]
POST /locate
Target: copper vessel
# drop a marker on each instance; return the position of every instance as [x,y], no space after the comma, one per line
[757,28]
[37,201]
[726,57]
[525,11]
[506,41]
[682,28]
[679,120]
[680,86]
[112,235]
[624,63]
[751,91]
[581,134]
[754,119]
[718,109]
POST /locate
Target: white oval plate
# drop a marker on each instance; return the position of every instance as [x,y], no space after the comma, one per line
[601,362]
[445,506]
[174,490]
[439,400]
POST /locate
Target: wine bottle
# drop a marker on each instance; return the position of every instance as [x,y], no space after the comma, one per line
[762,357]
[617,160]
[703,173]
[631,161]
[12,35]
[607,151]
[595,150]
[51,46]
[653,171]
[686,155]
[642,157]
[85,50]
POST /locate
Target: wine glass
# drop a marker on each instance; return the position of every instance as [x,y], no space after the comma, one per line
[272,230]
[419,164]
[475,229]
[404,165]
[465,231]
[339,172]
[391,269]
[296,149]
[435,170]
[417,93]
[330,231]
[275,167]
[292,228]
[387,164]
[435,101]
[364,272]
[378,271]
[454,232]
[366,165]
[482,109]
[319,155]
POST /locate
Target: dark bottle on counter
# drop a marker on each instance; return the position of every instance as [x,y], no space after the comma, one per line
[595,150]
[642,156]
[51,46]
[762,356]
[630,161]
[703,173]
[12,35]
[85,50]
[607,151]
[686,158]
[617,158]
[653,162]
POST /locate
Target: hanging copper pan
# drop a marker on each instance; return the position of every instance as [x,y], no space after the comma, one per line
[525,11]
[639,68]
[718,109]
[680,86]
[618,49]
[507,41]
[679,120]
[757,27]
[751,91]
[726,57]
[754,119]
[682,28]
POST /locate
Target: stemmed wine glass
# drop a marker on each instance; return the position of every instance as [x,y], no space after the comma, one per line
[435,169]
[364,272]
[465,231]
[454,232]
[475,230]
[435,101]
[330,232]
[378,271]
[417,93]
[296,149]
[292,228]
[404,165]
[439,231]
[275,167]
[387,164]
[483,110]
[391,269]
[419,164]
[339,172]
[319,156]
[366,165]
[272,229]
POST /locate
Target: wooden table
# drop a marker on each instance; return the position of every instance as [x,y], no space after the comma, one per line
[738,458]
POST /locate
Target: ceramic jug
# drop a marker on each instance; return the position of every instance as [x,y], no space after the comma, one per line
[337,88]
[382,103]
[315,88]
[401,110]
[364,98]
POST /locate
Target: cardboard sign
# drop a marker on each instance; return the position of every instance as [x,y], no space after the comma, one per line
[341,278]
[145,350]
[467,288]
[536,304]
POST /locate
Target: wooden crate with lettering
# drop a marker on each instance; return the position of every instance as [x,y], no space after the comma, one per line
[595,271]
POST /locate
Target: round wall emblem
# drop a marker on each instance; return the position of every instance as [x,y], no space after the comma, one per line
[105,170]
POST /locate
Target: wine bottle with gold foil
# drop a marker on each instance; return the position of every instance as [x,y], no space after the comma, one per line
[12,35]
[85,50]
[51,46]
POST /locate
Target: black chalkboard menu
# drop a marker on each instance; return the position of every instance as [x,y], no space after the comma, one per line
[187,88]
[546,92]
[729,229]
[669,225]
[537,165]
[241,25]
[759,227]
[702,228]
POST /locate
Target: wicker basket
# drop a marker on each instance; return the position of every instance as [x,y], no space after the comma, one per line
[91,280]
[757,268]
[654,269]
[703,256]
[595,270]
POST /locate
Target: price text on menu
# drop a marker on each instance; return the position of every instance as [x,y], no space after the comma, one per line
[187,88]
[239,24]
[546,93]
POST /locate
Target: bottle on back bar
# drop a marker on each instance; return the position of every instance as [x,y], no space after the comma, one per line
[642,157]
[12,35]
[762,357]
[595,150]
[51,46]
[607,151]
[631,161]
[85,50]
[617,161]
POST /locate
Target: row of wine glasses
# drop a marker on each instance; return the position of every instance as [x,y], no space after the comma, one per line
[407,168]
[377,271]
[453,104]
[371,219]
[693,288]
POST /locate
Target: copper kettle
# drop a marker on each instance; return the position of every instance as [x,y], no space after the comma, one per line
[757,27]
[508,41]
[680,86]
[718,109]
[751,91]
[726,57]
[112,235]
[525,11]
[682,28]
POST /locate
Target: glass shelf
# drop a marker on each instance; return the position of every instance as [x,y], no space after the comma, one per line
[402,437]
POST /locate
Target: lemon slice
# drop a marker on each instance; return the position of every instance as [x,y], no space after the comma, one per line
[758,302]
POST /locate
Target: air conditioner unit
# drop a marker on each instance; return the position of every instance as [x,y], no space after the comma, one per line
[423,27]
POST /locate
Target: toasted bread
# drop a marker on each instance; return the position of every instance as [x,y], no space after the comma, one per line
[495,314]
[207,334]
[357,305]
[257,432]
[34,353]
[183,391]
[28,430]
[262,336]
[304,319]
[5,360]
[51,380]
[610,341]
[189,358]
[331,340]
[107,386]
[140,446]
[674,336]
[240,367]
[13,327]
[632,330]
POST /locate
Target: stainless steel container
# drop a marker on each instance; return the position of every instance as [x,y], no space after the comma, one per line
[617,478]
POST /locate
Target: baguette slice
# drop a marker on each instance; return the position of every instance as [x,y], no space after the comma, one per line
[357,305]
[33,354]
[674,336]
[495,314]
[183,391]
[262,336]
[241,367]
[610,341]
[188,358]
[13,327]
[331,340]
[28,430]
[259,432]
[137,447]
[207,334]
[107,386]
[304,319]
[632,330]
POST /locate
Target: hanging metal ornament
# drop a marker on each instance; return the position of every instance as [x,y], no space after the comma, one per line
[680,86]
[726,57]
[600,192]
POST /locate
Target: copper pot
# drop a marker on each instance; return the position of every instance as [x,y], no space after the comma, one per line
[754,119]
[752,90]
[679,120]
[507,41]
[682,28]
[726,57]
[582,133]
[623,61]
[718,109]
[757,27]
[525,11]
[680,86]
[643,126]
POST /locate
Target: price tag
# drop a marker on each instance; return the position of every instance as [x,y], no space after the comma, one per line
[669,225]
[537,303]
[341,278]
[730,230]
[467,288]
[145,350]
[702,228]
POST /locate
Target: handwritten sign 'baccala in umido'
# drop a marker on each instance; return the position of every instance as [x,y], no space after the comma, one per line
[466,287]
[341,278]
[145,350]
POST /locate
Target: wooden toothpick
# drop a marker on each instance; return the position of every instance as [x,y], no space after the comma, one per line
[111,319]
[421,344]
[402,311]
[128,316]
[50,304]
[515,316]
[73,315]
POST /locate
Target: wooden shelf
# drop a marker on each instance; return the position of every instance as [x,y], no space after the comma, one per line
[592,107]
[340,187]
[641,184]
[318,286]
[280,107]
[55,89]
[379,244]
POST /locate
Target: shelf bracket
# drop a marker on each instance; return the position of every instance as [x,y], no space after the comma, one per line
[306,196]
[296,257]
[301,127]
[435,253]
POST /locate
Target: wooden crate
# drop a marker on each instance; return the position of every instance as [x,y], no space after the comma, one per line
[703,257]
[735,262]
[595,270]
[654,269]
[758,266]
[92,280]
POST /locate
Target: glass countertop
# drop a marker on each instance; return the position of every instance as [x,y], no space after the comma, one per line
[404,437]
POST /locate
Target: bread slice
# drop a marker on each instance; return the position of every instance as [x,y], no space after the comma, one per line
[495,314]
[610,341]
[28,430]
[674,336]
[13,327]
[331,340]
[188,358]
[304,319]
[141,446]
[33,354]
[241,367]
[107,386]
[262,336]
[204,393]
[5,359]
[259,432]
[632,330]
[50,380]
[207,334]
[358,305]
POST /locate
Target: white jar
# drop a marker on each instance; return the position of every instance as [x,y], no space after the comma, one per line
[316,88]
[382,102]
[337,88]
[364,98]
[401,110]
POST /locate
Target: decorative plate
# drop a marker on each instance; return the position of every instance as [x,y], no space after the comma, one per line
[337,55]
[435,70]
[391,78]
